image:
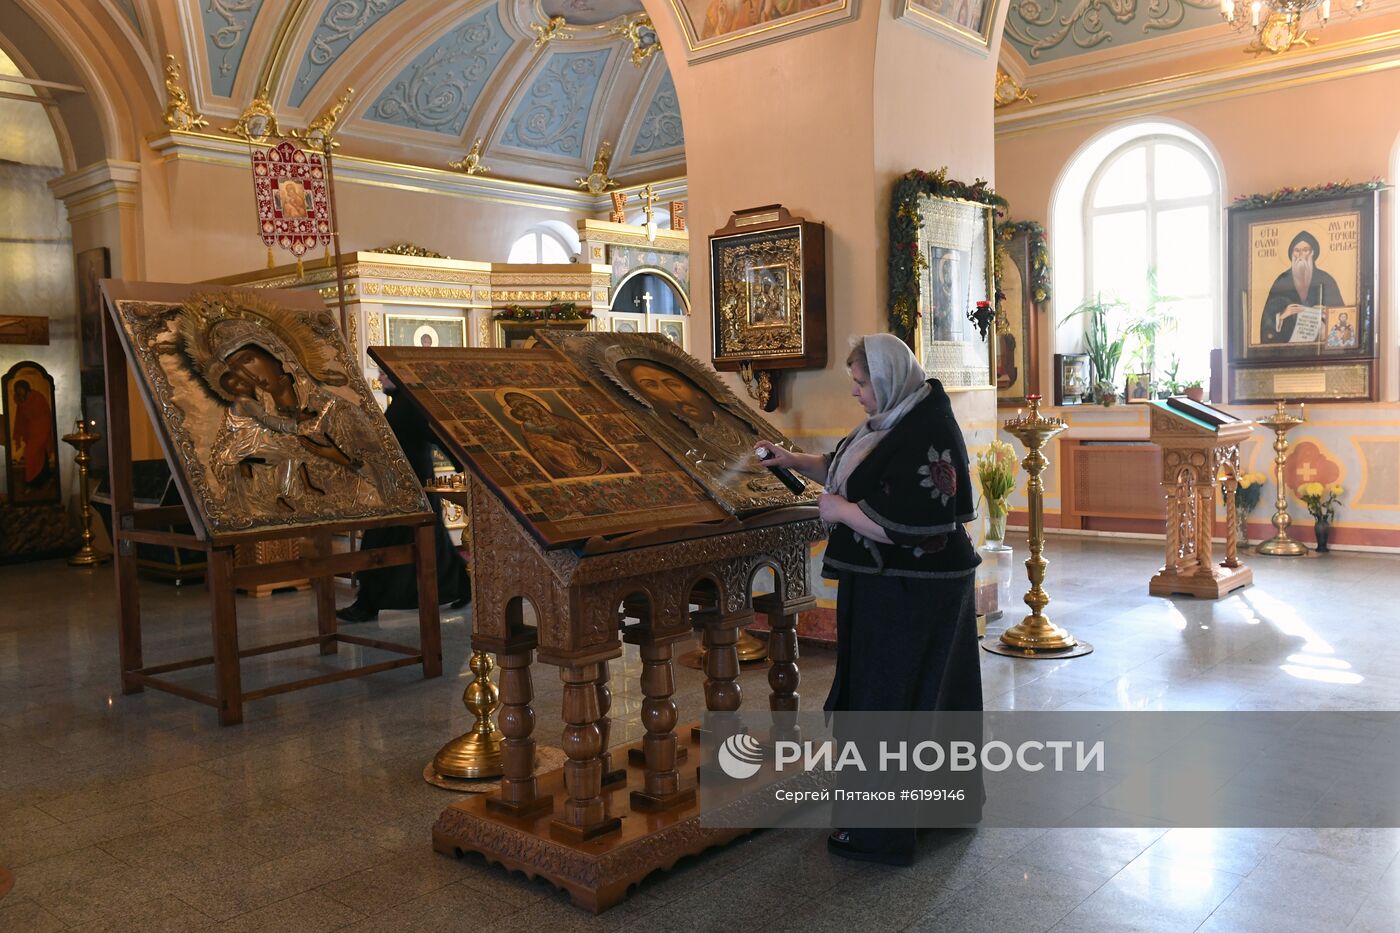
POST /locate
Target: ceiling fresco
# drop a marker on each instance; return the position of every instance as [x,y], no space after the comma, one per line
[431,78]
[1049,30]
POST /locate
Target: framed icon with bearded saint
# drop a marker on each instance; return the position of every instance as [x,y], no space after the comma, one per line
[1302,289]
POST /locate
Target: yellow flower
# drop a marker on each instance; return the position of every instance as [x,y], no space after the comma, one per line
[1336,489]
[1259,478]
[1310,491]
[1247,480]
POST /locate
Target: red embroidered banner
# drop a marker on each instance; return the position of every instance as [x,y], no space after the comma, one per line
[290,186]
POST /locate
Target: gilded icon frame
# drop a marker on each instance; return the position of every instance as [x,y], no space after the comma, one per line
[977,39]
[1267,361]
[396,323]
[954,232]
[699,47]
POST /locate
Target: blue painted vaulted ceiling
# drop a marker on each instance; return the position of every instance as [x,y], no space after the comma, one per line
[431,77]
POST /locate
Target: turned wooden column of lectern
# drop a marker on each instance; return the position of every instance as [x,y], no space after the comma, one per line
[1200,456]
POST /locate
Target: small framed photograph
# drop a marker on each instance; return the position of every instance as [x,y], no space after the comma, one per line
[1071,378]
[965,24]
[1138,391]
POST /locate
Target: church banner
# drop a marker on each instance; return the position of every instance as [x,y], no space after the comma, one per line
[289,184]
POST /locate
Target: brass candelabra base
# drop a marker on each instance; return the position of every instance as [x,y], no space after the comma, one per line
[476,753]
[1038,633]
[1280,545]
[88,556]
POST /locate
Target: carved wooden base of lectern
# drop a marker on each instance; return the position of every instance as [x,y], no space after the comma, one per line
[597,873]
[1213,585]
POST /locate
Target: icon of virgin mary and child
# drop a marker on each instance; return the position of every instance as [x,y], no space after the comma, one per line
[286,443]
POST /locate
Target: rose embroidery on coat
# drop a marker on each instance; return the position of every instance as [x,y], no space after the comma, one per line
[939,477]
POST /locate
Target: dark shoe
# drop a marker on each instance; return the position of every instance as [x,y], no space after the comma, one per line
[356,613]
[839,843]
[466,590]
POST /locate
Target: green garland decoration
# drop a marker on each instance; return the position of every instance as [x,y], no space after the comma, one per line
[905,260]
[1039,249]
[1333,189]
[557,311]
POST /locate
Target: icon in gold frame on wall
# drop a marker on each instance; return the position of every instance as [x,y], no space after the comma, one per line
[965,22]
[1017,325]
[956,242]
[30,435]
[1071,378]
[673,330]
[413,330]
[718,27]
[1302,294]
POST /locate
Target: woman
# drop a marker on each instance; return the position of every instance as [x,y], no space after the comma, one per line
[897,494]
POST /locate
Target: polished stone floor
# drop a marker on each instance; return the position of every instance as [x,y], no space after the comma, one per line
[140,813]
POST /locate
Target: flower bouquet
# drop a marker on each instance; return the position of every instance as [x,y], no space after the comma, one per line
[1248,491]
[996,474]
[1322,501]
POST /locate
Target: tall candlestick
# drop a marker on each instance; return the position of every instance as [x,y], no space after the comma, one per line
[1281,545]
[82,439]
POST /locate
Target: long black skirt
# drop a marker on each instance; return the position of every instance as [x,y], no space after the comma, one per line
[397,587]
[904,643]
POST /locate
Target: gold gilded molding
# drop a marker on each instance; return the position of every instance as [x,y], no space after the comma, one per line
[538,295]
[548,31]
[597,181]
[179,113]
[639,31]
[257,122]
[374,330]
[470,164]
[1008,91]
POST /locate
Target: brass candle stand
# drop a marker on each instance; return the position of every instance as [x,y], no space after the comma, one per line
[1281,545]
[1035,636]
[476,753]
[82,440]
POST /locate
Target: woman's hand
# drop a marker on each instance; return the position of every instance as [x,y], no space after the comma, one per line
[834,509]
[779,458]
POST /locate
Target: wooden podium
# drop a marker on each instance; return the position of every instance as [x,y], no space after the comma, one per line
[595,521]
[1200,452]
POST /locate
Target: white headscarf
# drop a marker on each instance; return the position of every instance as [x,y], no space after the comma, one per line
[899,383]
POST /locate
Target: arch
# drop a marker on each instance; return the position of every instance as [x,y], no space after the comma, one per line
[762,564]
[81,45]
[1151,221]
[660,274]
[536,241]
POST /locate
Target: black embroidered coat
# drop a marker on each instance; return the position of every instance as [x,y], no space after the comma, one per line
[916,486]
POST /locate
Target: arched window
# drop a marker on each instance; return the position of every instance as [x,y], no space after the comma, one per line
[1137,218]
[540,244]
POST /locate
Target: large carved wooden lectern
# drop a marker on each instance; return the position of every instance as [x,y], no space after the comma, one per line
[1200,452]
[613,499]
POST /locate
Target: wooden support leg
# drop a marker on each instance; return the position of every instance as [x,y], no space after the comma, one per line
[720,633]
[516,720]
[325,597]
[613,778]
[584,815]
[228,680]
[662,788]
[128,614]
[429,623]
[782,650]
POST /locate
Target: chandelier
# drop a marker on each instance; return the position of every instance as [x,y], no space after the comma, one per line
[1277,24]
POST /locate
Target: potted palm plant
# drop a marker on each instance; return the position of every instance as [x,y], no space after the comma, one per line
[1103,343]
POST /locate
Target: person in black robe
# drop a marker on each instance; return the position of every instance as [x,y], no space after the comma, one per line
[1302,285]
[898,494]
[397,587]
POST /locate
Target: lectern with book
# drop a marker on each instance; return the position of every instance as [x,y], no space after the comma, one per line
[1200,453]
[614,498]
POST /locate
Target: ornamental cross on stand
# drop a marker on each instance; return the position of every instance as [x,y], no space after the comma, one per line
[648,198]
[646,296]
